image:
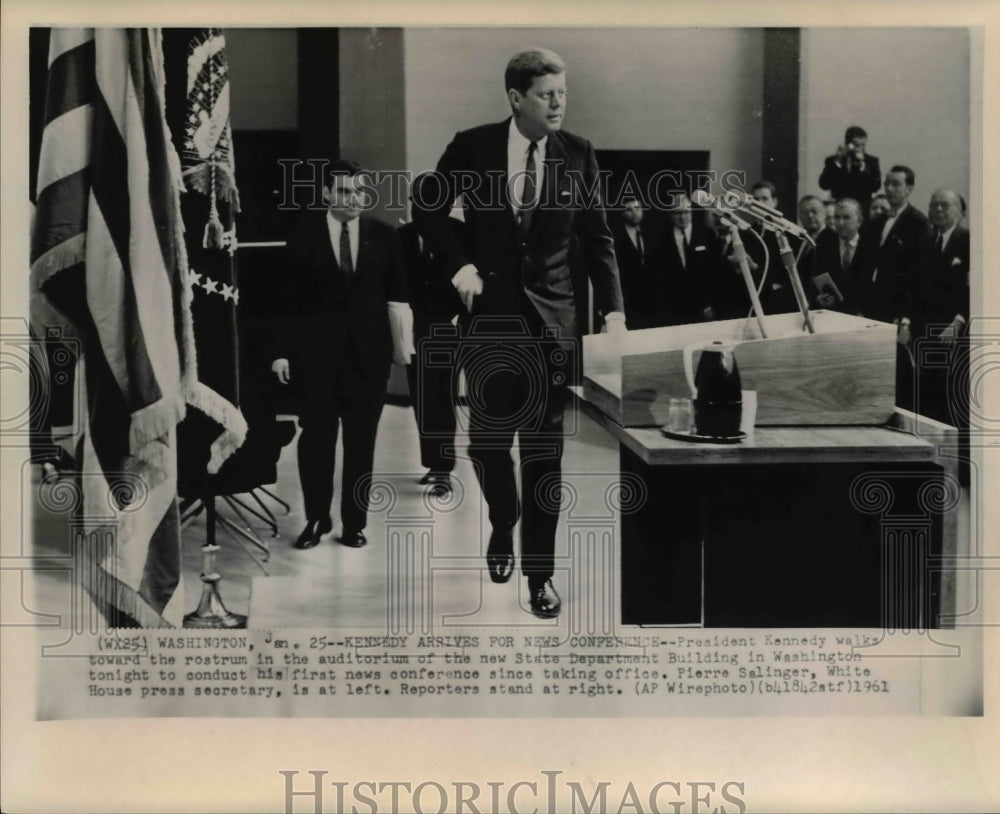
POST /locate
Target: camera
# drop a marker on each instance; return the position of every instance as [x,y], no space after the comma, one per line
[499,360]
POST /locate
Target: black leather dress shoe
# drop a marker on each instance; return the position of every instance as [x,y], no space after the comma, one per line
[353,539]
[427,478]
[545,602]
[314,530]
[500,555]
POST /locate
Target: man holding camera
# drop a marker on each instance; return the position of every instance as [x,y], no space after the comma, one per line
[851,172]
[529,190]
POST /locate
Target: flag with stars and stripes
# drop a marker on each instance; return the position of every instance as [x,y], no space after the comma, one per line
[108,252]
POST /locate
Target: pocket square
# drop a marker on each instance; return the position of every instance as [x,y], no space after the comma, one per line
[956,261]
[564,194]
[699,248]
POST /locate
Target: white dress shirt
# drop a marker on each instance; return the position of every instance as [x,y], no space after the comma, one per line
[891,221]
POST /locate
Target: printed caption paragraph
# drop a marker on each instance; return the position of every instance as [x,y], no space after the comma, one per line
[338,673]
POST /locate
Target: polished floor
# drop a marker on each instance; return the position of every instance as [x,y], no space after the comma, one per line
[423,567]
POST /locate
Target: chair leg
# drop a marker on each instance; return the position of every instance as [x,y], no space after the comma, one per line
[275,498]
[269,520]
[247,532]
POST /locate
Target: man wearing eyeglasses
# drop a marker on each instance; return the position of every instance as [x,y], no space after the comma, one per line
[343,321]
[529,190]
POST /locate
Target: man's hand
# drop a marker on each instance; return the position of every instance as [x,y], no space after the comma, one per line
[826,300]
[614,324]
[468,284]
[950,333]
[401,326]
[903,335]
[280,368]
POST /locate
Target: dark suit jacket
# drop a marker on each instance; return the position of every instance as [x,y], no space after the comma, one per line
[632,270]
[941,283]
[826,260]
[329,321]
[885,297]
[676,293]
[535,266]
[849,183]
[431,296]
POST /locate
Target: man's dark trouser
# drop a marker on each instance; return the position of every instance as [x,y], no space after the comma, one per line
[356,403]
[432,383]
[513,387]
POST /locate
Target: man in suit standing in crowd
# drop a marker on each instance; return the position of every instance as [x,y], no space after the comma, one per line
[890,249]
[889,246]
[879,206]
[529,188]
[938,311]
[777,296]
[851,172]
[837,260]
[632,251]
[432,374]
[812,218]
[684,279]
[343,319]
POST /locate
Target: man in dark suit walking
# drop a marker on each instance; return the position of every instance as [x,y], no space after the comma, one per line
[528,190]
[432,374]
[344,319]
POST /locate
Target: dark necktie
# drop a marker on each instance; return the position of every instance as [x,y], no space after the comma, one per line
[639,246]
[528,193]
[939,243]
[846,254]
[346,264]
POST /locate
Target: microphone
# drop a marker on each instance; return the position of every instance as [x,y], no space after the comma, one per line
[729,218]
[770,216]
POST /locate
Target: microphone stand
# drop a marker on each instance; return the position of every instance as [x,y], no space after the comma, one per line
[739,252]
[793,275]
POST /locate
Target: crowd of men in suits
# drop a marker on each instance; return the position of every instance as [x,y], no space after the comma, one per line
[872,252]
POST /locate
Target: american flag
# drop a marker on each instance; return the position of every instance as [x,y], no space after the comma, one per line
[108,252]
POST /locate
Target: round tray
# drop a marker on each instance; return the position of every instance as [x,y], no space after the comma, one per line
[704,439]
